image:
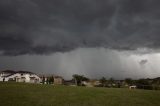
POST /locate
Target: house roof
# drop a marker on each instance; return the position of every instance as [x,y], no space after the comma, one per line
[9,75]
[24,72]
[8,71]
[11,72]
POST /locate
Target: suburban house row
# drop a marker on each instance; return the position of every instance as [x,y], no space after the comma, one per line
[26,76]
[29,77]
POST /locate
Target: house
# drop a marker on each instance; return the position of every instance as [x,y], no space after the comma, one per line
[19,76]
[58,80]
[51,79]
[91,83]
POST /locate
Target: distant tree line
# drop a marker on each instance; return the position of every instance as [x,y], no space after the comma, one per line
[150,84]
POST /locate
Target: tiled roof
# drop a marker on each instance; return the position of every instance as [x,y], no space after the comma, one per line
[26,72]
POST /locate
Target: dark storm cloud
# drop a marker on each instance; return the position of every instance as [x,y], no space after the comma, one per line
[47,26]
[143,62]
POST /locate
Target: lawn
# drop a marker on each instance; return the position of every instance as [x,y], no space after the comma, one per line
[20,94]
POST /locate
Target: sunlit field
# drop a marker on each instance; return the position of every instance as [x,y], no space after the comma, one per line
[20,94]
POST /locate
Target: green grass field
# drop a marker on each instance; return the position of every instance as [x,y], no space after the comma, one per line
[19,94]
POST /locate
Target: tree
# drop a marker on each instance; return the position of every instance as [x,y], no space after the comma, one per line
[47,80]
[51,80]
[103,81]
[79,78]
[43,80]
[3,79]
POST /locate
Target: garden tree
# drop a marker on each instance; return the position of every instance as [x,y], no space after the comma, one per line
[51,80]
[47,80]
[103,81]
[43,80]
[3,79]
[129,81]
[79,78]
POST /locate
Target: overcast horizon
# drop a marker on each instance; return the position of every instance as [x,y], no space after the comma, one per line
[108,38]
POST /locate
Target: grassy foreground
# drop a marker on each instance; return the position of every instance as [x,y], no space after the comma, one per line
[19,94]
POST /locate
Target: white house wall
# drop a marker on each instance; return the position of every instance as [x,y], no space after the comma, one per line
[22,77]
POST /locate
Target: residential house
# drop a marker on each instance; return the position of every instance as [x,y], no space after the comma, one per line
[58,80]
[91,83]
[19,76]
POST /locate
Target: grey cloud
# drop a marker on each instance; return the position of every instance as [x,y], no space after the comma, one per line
[143,62]
[44,27]
[92,62]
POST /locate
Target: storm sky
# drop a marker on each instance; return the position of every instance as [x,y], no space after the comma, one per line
[110,38]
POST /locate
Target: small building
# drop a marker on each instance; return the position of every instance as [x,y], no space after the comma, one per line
[58,80]
[91,83]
